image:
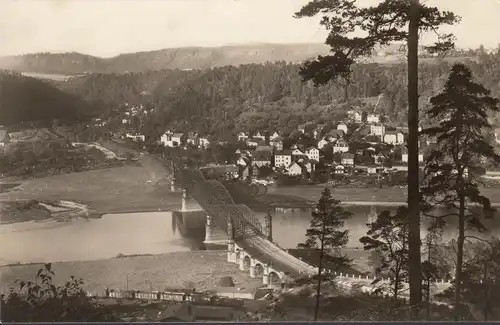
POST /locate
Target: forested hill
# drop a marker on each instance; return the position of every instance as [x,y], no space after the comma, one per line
[24,99]
[172,58]
[264,96]
[186,58]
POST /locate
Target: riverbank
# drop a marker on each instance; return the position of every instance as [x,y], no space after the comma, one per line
[199,269]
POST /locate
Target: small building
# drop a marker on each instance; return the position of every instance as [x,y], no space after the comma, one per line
[373,118]
[282,159]
[253,143]
[301,128]
[334,135]
[297,152]
[342,127]
[312,153]
[135,136]
[4,137]
[374,169]
[274,136]
[347,159]
[277,143]
[322,143]
[242,136]
[355,116]
[339,169]
[169,139]
[377,130]
[294,169]
[203,142]
[259,136]
[340,146]
[193,140]
[262,158]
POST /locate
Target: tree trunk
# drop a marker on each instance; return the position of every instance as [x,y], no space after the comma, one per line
[460,258]
[320,266]
[413,168]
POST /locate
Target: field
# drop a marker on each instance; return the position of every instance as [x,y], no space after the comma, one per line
[199,269]
[120,189]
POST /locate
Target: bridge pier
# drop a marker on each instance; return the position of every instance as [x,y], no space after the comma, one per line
[242,260]
[252,268]
[265,275]
[268,228]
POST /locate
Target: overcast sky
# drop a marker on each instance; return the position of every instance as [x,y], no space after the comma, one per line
[109,27]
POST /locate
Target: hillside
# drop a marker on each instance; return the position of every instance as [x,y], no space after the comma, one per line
[24,99]
[261,96]
[178,58]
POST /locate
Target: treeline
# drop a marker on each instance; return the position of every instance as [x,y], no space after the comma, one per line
[268,96]
[25,100]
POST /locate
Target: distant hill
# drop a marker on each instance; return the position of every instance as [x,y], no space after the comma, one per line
[27,100]
[173,58]
[178,58]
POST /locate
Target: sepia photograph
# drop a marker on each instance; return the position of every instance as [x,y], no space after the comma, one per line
[249,160]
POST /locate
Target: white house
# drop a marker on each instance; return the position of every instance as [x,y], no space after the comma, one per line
[355,116]
[242,136]
[297,152]
[347,159]
[394,137]
[294,169]
[373,118]
[342,127]
[340,146]
[322,143]
[312,154]
[377,129]
[135,137]
[171,140]
[252,143]
[259,136]
[193,140]
[282,159]
[404,157]
[204,143]
[274,136]
[339,169]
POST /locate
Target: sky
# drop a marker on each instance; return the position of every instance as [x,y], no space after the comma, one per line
[109,27]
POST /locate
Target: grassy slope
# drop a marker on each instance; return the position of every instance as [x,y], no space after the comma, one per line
[204,269]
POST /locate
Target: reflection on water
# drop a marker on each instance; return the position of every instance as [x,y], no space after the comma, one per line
[156,233]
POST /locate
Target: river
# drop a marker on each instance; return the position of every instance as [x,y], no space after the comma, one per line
[151,233]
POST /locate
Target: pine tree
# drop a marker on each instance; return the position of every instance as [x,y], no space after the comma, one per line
[388,235]
[388,22]
[325,235]
[461,111]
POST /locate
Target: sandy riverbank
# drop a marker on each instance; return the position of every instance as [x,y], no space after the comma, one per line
[201,269]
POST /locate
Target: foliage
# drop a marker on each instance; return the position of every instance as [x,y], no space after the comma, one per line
[388,235]
[31,100]
[462,113]
[325,234]
[42,301]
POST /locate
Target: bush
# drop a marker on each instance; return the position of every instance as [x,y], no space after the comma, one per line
[226,281]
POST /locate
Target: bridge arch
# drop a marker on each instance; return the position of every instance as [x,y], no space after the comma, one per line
[259,269]
[274,278]
[247,262]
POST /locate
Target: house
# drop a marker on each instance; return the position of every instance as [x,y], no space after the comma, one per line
[135,137]
[301,128]
[355,116]
[193,140]
[335,135]
[203,142]
[374,169]
[379,158]
[4,137]
[282,159]
[297,152]
[373,118]
[339,169]
[253,143]
[259,136]
[322,143]
[242,136]
[262,158]
[277,143]
[340,146]
[342,127]
[313,154]
[226,171]
[273,136]
[242,161]
[377,130]
[347,159]
[295,169]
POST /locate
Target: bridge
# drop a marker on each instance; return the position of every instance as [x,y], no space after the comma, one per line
[237,226]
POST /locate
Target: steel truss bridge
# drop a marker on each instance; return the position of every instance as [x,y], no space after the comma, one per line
[239,222]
